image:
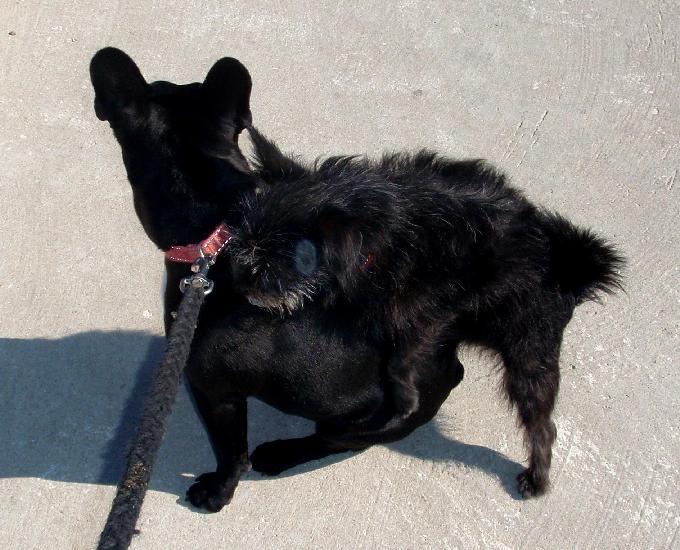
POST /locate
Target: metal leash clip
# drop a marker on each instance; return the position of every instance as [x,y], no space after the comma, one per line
[200,277]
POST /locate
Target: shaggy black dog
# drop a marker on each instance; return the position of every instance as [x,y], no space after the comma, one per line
[421,253]
[180,148]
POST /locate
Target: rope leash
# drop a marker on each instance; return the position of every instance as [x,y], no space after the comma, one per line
[120,524]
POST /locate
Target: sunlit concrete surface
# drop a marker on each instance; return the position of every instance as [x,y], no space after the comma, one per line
[576,99]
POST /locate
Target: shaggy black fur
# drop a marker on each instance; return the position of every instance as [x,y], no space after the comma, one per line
[187,174]
[423,252]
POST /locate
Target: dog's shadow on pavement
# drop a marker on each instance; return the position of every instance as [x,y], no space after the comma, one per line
[69,409]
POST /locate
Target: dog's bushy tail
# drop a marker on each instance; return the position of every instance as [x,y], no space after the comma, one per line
[582,263]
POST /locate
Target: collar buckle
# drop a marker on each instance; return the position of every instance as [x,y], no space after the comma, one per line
[200,277]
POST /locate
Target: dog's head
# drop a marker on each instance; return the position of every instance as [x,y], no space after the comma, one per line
[277,262]
[179,143]
[304,238]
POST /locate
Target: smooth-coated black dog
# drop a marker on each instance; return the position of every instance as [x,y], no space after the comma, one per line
[180,148]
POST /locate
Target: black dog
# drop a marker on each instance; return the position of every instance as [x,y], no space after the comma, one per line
[422,253]
[180,149]
[187,174]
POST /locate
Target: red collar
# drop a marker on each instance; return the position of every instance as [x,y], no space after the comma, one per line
[210,246]
[213,245]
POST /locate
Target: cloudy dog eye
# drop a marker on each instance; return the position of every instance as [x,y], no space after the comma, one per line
[305,257]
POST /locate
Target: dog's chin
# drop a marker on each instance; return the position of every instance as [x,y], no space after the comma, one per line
[285,303]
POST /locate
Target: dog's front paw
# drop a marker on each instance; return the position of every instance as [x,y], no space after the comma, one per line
[270,458]
[211,491]
[530,485]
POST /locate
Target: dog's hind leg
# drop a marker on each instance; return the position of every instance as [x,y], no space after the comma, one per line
[436,346]
[274,457]
[226,424]
[531,380]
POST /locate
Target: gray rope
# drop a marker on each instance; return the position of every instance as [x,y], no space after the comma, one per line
[120,525]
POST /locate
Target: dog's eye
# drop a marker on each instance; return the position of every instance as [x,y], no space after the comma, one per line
[306,260]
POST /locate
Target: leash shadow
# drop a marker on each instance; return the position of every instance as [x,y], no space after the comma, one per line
[70,408]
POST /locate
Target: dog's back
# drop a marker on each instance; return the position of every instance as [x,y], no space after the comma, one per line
[551,249]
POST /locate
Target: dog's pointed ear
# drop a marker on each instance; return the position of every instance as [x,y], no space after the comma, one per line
[270,163]
[120,88]
[227,90]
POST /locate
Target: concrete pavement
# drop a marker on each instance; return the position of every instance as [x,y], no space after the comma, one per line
[576,100]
